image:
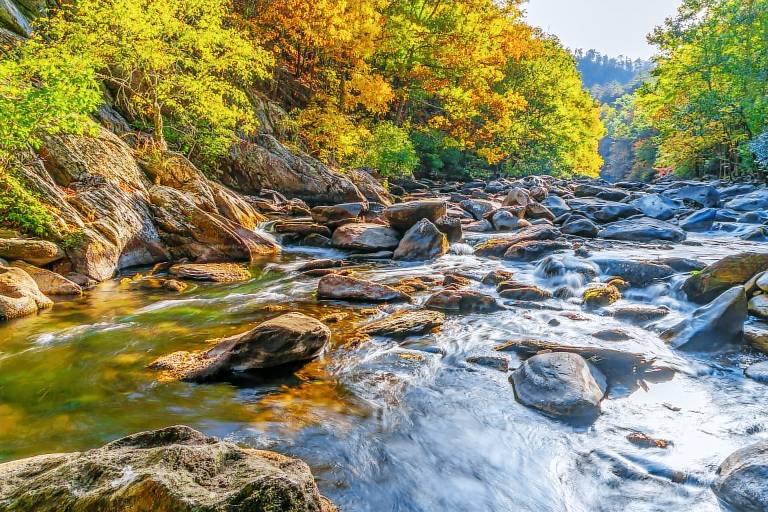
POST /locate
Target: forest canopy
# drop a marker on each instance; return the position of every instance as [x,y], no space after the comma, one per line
[442,87]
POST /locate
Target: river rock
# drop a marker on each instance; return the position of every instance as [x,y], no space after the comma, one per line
[758,306]
[636,273]
[175,468]
[730,271]
[601,295]
[657,206]
[479,207]
[452,228]
[214,272]
[639,315]
[517,197]
[36,252]
[405,323]
[701,195]
[756,335]
[289,338]
[536,210]
[496,247]
[403,216]
[580,226]
[717,326]
[504,220]
[603,211]
[422,242]
[336,215]
[19,294]
[642,230]
[741,479]
[534,249]
[757,200]
[301,227]
[525,293]
[758,372]
[496,277]
[49,283]
[337,287]
[556,205]
[365,237]
[560,384]
[462,301]
[701,220]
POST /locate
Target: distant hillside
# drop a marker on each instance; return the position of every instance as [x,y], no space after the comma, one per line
[609,78]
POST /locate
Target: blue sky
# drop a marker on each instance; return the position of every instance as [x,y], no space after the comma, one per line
[615,27]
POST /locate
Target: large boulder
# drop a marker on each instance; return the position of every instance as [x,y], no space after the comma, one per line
[642,230]
[697,194]
[365,237]
[338,287]
[580,226]
[730,271]
[422,242]
[560,384]
[403,216]
[267,164]
[287,339]
[741,479]
[636,273]
[171,469]
[37,252]
[715,327]
[48,282]
[757,200]
[19,294]
[657,206]
[701,220]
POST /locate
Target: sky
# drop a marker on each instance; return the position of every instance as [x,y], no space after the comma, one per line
[613,27]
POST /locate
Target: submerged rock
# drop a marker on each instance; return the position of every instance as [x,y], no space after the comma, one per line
[289,338]
[405,323]
[560,384]
[19,294]
[422,242]
[741,479]
[730,271]
[339,287]
[171,469]
[717,326]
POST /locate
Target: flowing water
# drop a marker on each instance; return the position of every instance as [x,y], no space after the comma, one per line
[387,426]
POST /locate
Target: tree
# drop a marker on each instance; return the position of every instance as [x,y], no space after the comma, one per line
[390,150]
[176,65]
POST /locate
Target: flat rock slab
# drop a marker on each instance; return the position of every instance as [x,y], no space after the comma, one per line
[405,323]
[214,272]
[175,468]
[339,287]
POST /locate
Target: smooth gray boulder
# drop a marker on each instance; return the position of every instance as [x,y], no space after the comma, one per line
[580,226]
[757,200]
[603,211]
[642,230]
[560,384]
[715,327]
[657,206]
[422,242]
[701,220]
[636,273]
[171,469]
[698,194]
[741,479]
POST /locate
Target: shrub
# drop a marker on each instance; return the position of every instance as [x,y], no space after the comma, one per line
[390,151]
[20,209]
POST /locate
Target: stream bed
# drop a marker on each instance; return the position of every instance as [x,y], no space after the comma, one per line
[388,425]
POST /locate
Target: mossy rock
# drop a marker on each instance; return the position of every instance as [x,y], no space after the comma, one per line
[601,295]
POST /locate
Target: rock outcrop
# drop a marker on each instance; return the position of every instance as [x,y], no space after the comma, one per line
[19,294]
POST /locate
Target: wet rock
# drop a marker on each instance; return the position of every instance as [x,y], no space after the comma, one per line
[456,281]
[462,301]
[175,468]
[19,294]
[320,264]
[496,277]
[481,226]
[758,372]
[701,220]
[756,335]
[498,246]
[301,228]
[365,237]
[730,271]
[504,220]
[214,272]
[36,252]
[534,249]
[657,206]
[315,240]
[403,216]
[639,315]
[536,210]
[579,226]
[552,266]
[338,287]
[603,211]
[612,335]
[741,479]
[159,283]
[422,242]
[525,293]
[49,283]
[405,323]
[339,214]
[500,364]
[681,264]
[451,227]
[601,295]
[637,273]
[642,230]
[556,205]
[758,306]
[517,197]
[560,384]
[268,164]
[717,326]
[703,196]
[645,441]
[757,200]
[372,256]
[479,207]
[289,338]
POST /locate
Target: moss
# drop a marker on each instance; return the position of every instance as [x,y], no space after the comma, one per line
[20,208]
[72,240]
[602,295]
